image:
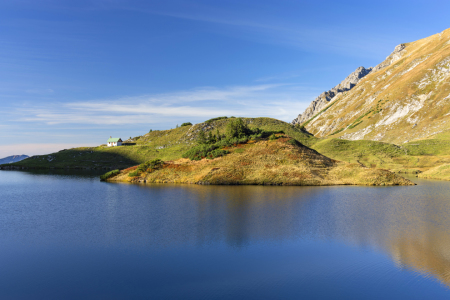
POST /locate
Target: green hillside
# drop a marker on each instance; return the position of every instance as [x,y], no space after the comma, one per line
[169,145]
[162,144]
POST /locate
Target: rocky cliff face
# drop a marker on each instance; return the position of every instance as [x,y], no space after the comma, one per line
[326,97]
[347,84]
[406,97]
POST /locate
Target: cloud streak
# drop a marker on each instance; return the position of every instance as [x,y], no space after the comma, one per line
[31,149]
[270,100]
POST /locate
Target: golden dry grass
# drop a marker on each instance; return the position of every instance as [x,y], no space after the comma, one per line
[389,102]
[441,172]
[268,163]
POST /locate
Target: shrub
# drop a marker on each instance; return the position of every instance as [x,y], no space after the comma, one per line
[299,126]
[201,139]
[215,119]
[200,151]
[134,173]
[186,124]
[109,174]
[294,142]
[237,129]
[216,153]
[273,137]
[218,136]
[151,164]
[212,138]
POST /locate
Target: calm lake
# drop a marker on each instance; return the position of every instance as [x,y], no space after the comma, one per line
[74,237]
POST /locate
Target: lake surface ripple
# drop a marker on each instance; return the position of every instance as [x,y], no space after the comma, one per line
[73,237]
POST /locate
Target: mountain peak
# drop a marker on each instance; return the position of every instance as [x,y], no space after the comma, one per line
[406,97]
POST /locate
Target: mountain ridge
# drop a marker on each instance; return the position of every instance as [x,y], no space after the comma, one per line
[404,98]
[347,84]
[13,159]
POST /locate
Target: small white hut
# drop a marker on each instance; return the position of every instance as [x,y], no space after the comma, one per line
[113,142]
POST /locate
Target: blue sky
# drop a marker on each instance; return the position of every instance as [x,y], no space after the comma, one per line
[73,73]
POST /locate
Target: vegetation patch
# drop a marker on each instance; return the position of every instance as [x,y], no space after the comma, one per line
[319,113]
[216,119]
[338,131]
[148,166]
[283,161]
[109,174]
[237,132]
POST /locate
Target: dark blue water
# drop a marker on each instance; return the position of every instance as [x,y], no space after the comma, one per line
[73,237]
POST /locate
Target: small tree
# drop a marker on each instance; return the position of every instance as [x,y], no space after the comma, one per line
[211,138]
[218,136]
[201,139]
[237,129]
[150,131]
[186,124]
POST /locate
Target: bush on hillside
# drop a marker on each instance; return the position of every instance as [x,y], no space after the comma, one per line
[134,173]
[237,129]
[186,124]
[216,153]
[109,174]
[201,138]
[215,119]
[144,167]
[238,132]
[200,151]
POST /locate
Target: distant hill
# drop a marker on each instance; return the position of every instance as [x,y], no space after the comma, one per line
[404,98]
[12,159]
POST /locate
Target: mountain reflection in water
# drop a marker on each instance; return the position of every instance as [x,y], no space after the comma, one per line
[61,232]
[410,224]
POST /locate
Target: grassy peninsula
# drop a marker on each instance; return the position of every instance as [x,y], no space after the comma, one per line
[254,156]
[276,161]
[169,145]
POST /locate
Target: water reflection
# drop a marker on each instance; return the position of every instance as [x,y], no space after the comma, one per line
[174,227]
[411,224]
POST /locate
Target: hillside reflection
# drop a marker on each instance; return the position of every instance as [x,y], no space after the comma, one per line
[410,224]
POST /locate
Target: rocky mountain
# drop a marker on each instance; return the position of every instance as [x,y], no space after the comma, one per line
[12,159]
[404,98]
[325,98]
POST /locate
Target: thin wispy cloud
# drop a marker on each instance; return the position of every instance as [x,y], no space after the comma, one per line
[199,104]
[35,148]
[273,29]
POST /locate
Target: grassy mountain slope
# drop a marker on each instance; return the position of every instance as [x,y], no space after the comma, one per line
[405,101]
[275,162]
[407,158]
[163,144]
[170,144]
[441,172]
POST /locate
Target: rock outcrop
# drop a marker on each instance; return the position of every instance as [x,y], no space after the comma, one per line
[405,98]
[392,58]
[325,98]
[347,84]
